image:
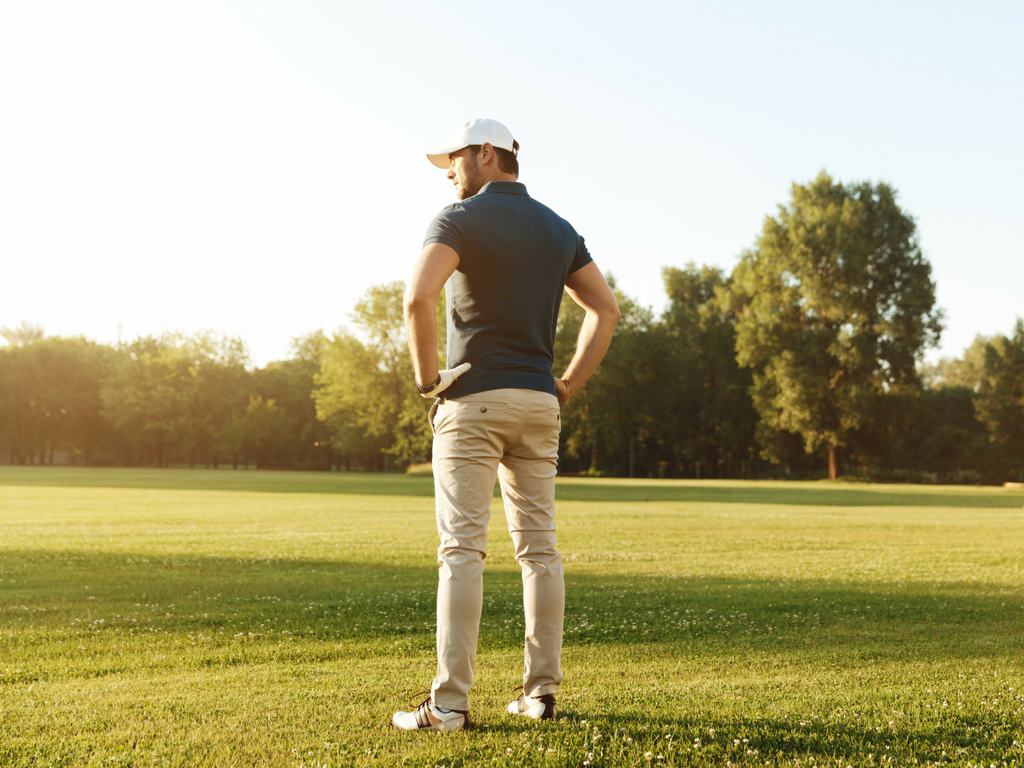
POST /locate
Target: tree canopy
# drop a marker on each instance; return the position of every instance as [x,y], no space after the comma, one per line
[834,307]
[1001,403]
[365,387]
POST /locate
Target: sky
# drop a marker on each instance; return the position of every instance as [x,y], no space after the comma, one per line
[253,167]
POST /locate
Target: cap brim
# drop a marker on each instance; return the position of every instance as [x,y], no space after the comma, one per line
[440,159]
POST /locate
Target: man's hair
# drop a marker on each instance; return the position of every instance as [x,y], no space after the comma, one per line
[508,162]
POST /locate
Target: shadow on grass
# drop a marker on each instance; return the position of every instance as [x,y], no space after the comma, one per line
[714,739]
[65,596]
[811,494]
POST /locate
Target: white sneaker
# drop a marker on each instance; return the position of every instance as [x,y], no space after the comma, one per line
[540,708]
[427,717]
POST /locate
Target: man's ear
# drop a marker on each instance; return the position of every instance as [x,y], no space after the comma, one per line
[486,152]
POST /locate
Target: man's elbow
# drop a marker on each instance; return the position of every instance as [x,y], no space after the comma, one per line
[416,303]
[612,314]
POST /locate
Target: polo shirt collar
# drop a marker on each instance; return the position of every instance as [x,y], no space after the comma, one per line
[505,187]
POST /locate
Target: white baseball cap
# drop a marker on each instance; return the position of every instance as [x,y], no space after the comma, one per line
[483,130]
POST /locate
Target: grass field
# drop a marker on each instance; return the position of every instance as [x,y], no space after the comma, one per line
[176,617]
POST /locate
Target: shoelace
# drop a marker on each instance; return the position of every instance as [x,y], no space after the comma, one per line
[426,701]
[520,697]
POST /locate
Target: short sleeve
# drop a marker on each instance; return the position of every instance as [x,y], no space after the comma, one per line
[583,256]
[445,229]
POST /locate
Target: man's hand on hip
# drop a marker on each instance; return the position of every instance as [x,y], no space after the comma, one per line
[562,390]
[446,378]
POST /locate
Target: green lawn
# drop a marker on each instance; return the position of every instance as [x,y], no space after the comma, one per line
[193,617]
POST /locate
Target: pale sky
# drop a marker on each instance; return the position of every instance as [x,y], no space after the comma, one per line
[252,167]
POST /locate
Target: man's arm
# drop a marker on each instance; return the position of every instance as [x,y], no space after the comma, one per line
[588,288]
[436,264]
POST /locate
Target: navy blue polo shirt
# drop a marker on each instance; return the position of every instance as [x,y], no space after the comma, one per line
[502,302]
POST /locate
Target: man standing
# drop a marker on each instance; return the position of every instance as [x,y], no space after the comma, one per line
[505,259]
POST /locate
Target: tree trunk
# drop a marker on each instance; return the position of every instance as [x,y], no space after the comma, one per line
[833,462]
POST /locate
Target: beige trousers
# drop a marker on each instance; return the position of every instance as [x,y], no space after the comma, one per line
[511,433]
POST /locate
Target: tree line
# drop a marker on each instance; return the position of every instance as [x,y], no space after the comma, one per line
[805,360]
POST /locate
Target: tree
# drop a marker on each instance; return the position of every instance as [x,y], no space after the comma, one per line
[939,433]
[1000,404]
[177,396]
[289,383]
[261,431]
[669,397]
[144,398]
[216,396]
[365,387]
[709,387]
[835,305]
[963,371]
[23,335]
[599,420]
[50,397]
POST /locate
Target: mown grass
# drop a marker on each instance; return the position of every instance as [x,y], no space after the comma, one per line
[182,617]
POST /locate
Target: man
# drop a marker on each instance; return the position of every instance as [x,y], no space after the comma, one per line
[505,259]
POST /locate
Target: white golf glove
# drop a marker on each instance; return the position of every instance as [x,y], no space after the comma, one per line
[446,379]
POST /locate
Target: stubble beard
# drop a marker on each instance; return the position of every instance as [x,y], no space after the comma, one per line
[472,180]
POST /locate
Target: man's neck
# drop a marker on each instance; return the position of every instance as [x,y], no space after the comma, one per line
[501,176]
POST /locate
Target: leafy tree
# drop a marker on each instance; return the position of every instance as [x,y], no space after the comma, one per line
[23,335]
[365,387]
[668,398]
[710,391]
[22,412]
[177,396]
[963,371]
[218,393]
[262,431]
[939,433]
[835,305]
[1000,404]
[144,398]
[606,415]
[289,383]
[50,398]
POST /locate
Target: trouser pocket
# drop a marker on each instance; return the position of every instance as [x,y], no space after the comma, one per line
[431,415]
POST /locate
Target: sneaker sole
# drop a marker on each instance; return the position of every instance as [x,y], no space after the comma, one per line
[465,725]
